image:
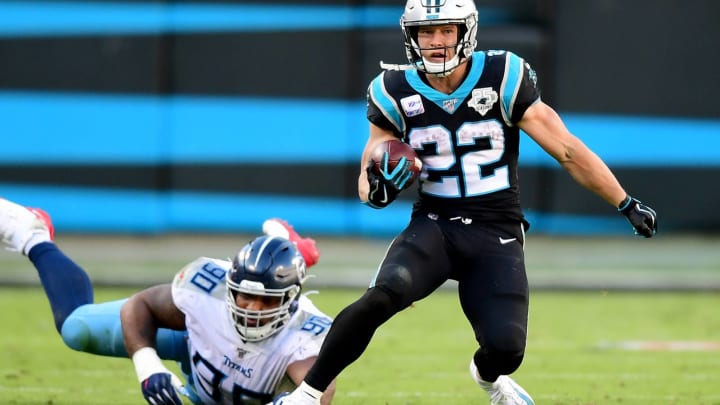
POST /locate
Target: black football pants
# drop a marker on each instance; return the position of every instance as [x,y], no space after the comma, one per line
[486,259]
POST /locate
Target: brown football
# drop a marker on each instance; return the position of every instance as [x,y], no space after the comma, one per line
[396,150]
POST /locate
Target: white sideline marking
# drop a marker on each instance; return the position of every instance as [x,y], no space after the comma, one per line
[613,375]
[662,345]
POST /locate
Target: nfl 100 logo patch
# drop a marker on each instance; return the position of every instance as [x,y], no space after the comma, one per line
[412,105]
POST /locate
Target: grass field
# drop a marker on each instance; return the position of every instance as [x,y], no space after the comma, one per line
[584,348]
[604,343]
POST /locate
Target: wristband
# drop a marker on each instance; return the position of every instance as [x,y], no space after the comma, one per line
[371,205]
[309,391]
[147,363]
[625,203]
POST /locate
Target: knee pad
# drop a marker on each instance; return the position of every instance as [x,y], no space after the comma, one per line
[509,337]
[502,352]
[396,281]
[96,329]
[377,302]
[491,364]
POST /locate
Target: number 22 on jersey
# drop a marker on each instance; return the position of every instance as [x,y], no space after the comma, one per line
[471,160]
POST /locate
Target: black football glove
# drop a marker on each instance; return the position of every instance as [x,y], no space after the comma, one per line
[386,186]
[641,217]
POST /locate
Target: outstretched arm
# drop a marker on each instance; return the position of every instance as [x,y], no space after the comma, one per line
[147,311]
[141,316]
[546,128]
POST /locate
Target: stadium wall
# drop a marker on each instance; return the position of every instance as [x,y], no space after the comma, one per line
[167,116]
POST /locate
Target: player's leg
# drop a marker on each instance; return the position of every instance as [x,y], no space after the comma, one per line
[414,266]
[96,329]
[84,326]
[494,296]
[29,232]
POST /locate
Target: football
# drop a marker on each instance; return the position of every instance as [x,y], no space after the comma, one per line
[396,150]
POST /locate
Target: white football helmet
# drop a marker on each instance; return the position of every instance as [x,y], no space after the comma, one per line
[439,12]
[269,266]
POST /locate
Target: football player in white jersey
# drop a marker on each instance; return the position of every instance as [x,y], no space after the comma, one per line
[240,329]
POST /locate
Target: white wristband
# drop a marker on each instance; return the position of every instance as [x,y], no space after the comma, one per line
[147,363]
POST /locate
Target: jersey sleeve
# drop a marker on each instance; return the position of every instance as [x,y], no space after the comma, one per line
[382,110]
[518,89]
[202,277]
[313,326]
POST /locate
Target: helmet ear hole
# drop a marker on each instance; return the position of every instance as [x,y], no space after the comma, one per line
[462,31]
[294,306]
[413,32]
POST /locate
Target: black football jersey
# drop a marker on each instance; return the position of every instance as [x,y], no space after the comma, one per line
[468,141]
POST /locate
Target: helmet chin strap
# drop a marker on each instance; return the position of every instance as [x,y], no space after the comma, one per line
[441,69]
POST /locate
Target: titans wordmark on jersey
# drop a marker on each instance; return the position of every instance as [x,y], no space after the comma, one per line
[225,369]
[467,140]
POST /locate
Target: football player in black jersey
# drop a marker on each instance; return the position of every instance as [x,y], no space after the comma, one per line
[462,111]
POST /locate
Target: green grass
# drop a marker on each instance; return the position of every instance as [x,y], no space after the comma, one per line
[421,355]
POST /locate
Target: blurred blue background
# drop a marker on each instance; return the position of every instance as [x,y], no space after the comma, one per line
[174,116]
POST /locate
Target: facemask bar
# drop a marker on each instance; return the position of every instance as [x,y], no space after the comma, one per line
[267,321]
[463,49]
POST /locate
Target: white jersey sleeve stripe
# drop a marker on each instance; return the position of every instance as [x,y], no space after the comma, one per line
[512,79]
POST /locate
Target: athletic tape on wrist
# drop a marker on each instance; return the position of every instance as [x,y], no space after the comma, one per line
[147,363]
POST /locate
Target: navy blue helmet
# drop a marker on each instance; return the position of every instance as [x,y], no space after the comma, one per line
[270,267]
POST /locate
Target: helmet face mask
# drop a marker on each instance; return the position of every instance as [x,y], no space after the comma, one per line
[270,270]
[462,13]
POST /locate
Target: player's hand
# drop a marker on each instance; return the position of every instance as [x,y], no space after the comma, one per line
[385,186]
[159,386]
[159,389]
[641,217]
[398,177]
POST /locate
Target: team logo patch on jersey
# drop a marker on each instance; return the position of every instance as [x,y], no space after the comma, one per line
[482,100]
[412,105]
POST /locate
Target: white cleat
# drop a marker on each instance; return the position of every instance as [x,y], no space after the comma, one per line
[21,228]
[278,227]
[306,246]
[504,391]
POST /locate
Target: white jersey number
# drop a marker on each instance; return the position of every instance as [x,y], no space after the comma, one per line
[471,162]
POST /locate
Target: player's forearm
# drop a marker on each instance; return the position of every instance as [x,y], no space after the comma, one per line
[363,186]
[139,330]
[592,173]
